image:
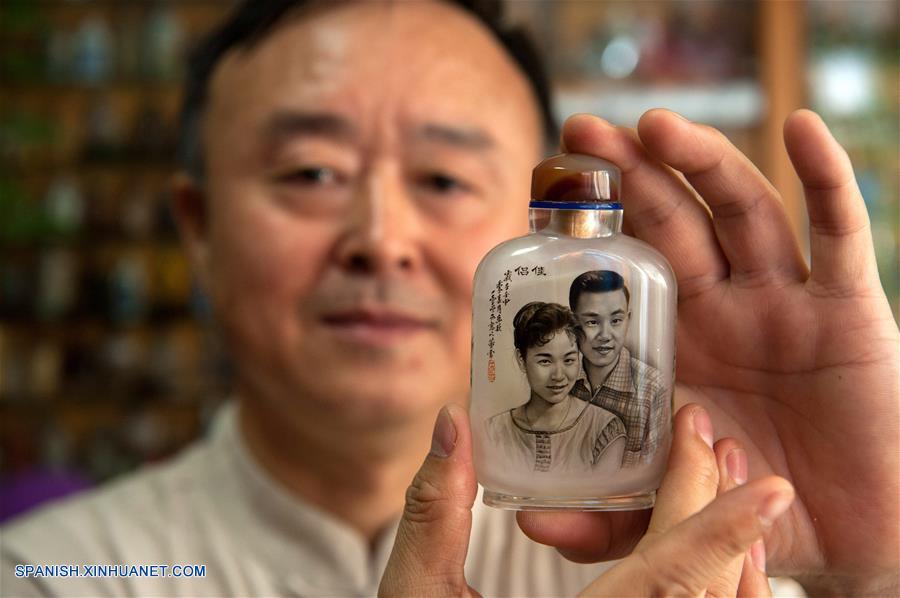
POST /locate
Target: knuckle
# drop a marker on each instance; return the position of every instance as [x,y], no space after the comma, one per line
[714,592]
[739,206]
[706,474]
[663,581]
[453,587]
[846,227]
[658,213]
[700,475]
[725,542]
[426,586]
[424,501]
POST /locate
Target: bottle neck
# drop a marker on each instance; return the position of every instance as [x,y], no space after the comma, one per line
[581,224]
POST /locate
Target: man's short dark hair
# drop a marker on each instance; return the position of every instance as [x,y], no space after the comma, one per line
[596,281]
[252,20]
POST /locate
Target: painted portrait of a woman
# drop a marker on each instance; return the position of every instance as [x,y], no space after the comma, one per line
[554,431]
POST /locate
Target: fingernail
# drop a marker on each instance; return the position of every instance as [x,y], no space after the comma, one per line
[772,508]
[703,426]
[680,116]
[758,555]
[443,440]
[736,463]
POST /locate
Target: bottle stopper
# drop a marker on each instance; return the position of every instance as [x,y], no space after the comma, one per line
[575,178]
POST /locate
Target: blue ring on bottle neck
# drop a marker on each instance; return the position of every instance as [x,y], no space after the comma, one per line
[572,205]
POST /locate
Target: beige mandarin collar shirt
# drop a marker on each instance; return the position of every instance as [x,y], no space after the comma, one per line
[213,505]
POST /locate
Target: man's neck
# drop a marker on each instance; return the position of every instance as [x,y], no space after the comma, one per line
[358,475]
[597,375]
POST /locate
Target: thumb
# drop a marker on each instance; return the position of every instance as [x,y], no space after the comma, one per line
[433,537]
[684,560]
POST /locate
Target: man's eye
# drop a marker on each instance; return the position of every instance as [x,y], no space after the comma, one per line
[570,361]
[444,184]
[313,175]
[591,323]
[544,362]
[616,321]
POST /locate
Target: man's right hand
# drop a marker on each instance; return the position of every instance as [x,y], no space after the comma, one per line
[800,365]
[697,543]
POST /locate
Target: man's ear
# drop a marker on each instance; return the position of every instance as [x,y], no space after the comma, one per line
[189,207]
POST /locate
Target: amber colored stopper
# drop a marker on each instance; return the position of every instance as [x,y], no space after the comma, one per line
[575,178]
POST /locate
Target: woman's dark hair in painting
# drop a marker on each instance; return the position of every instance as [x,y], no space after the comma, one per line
[536,323]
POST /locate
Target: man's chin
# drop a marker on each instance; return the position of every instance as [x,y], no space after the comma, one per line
[601,361]
[375,400]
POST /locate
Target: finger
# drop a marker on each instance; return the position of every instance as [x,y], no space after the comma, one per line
[748,216]
[692,475]
[659,207]
[689,485]
[587,537]
[690,555]
[840,239]
[731,459]
[754,581]
[433,537]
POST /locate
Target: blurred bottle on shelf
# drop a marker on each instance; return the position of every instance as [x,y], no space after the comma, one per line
[128,290]
[104,135]
[58,278]
[45,370]
[138,212]
[64,208]
[13,366]
[93,47]
[162,44]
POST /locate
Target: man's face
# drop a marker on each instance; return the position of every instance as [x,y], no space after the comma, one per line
[604,320]
[360,161]
[552,368]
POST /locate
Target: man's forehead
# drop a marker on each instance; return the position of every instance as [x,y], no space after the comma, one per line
[603,301]
[284,124]
[358,57]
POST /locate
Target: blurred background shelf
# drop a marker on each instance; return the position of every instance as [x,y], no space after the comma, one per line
[108,354]
[735,104]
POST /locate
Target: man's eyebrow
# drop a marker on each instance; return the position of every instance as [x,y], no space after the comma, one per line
[285,124]
[597,314]
[470,138]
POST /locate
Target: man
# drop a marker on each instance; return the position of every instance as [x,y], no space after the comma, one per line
[616,381]
[357,160]
[353,163]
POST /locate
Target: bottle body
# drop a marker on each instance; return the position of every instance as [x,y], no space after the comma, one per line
[572,366]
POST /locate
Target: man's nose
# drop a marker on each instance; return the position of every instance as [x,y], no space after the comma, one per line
[382,229]
[604,331]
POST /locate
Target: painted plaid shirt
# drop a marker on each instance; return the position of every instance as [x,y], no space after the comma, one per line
[634,392]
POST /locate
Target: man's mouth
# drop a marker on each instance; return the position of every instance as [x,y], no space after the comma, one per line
[558,388]
[371,326]
[604,349]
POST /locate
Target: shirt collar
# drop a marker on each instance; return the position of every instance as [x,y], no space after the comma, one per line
[619,379]
[285,530]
